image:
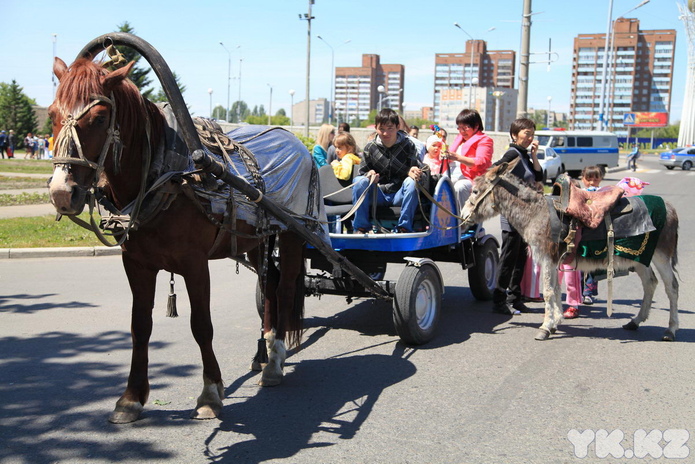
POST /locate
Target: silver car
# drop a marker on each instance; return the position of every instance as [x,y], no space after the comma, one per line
[551,163]
[683,158]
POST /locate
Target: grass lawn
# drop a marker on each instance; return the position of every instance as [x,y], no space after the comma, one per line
[27,166]
[45,231]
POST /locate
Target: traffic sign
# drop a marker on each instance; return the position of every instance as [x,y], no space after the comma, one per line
[629,119]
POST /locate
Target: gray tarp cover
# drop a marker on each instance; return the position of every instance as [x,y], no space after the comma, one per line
[289,174]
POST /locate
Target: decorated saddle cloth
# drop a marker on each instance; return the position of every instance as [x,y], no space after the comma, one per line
[290,177]
[636,246]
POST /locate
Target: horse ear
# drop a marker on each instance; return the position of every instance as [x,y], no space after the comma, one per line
[59,68]
[114,78]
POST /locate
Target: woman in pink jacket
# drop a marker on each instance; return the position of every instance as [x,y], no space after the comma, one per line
[473,150]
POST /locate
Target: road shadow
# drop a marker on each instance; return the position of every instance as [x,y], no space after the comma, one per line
[10,303]
[319,402]
[462,315]
[48,386]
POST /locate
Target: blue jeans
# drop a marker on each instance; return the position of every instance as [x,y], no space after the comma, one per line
[406,197]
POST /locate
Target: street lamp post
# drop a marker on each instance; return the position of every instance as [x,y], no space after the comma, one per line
[380,91]
[611,24]
[498,94]
[550,99]
[229,78]
[332,92]
[291,109]
[308,17]
[470,67]
[53,76]
[210,92]
[270,104]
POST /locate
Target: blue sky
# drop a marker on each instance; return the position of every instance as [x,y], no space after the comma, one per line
[271,41]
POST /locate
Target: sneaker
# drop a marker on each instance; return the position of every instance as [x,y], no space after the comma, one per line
[502,308]
[571,313]
[588,301]
[360,231]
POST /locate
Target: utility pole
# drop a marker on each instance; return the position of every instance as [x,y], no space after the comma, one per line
[308,18]
[522,101]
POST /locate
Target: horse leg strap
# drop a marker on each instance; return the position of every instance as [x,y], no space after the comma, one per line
[611,269]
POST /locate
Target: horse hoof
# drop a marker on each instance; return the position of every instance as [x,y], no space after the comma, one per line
[206,412]
[669,336]
[542,334]
[631,326]
[269,381]
[257,366]
[124,414]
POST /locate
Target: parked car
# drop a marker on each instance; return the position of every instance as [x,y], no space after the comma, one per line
[683,158]
[551,163]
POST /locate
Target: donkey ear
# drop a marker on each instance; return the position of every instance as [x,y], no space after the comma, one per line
[500,169]
[114,78]
[59,68]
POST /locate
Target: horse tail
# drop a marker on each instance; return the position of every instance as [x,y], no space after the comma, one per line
[295,323]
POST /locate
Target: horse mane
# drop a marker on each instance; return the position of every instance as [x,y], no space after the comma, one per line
[84,80]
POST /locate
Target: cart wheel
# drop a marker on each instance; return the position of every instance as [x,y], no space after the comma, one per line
[483,276]
[417,304]
[260,307]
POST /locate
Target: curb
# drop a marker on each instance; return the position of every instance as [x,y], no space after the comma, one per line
[58,252]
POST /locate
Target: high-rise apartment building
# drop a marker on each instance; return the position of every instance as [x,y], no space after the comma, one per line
[357,88]
[639,77]
[478,66]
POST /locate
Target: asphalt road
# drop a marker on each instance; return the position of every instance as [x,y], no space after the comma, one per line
[482,392]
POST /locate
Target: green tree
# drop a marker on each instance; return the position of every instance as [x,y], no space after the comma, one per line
[16,112]
[670,131]
[139,74]
[219,113]
[160,96]
[239,111]
[419,122]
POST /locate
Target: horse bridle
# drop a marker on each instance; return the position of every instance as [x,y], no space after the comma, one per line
[480,197]
[68,136]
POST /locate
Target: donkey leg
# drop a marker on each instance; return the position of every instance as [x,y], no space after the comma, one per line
[209,403]
[668,276]
[649,282]
[142,285]
[553,307]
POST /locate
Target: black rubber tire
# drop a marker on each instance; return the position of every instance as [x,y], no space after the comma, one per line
[482,277]
[669,167]
[418,304]
[687,165]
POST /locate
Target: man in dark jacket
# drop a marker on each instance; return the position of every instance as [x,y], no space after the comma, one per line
[391,161]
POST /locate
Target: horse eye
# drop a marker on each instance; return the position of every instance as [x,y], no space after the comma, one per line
[100,120]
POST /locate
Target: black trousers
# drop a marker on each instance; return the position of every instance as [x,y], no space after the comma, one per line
[511,267]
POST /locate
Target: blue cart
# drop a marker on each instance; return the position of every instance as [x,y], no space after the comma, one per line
[417,294]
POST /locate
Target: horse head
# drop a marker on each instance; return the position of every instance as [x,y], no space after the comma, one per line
[86,128]
[481,203]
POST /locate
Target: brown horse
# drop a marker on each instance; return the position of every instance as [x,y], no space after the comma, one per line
[501,192]
[106,132]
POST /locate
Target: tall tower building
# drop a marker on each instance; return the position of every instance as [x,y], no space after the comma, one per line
[357,88]
[477,67]
[639,77]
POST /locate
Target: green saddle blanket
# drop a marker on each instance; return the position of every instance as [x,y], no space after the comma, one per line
[639,248]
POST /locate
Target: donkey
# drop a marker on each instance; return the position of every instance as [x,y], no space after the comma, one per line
[526,209]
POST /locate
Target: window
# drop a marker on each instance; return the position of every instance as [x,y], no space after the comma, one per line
[585,142]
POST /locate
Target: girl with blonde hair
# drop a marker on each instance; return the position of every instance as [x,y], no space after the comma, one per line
[323,141]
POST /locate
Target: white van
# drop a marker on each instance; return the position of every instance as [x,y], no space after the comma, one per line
[579,149]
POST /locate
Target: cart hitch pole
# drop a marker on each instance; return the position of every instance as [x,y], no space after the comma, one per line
[208,164]
[203,161]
